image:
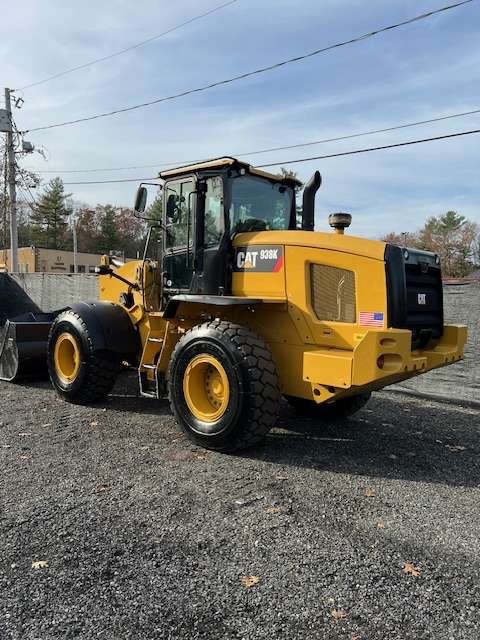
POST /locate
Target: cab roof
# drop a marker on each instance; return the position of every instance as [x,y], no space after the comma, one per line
[221,163]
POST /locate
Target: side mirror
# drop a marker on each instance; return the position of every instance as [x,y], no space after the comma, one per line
[141,200]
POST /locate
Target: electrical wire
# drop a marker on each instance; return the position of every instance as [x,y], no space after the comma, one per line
[386,146]
[141,166]
[261,70]
[25,183]
[31,205]
[33,199]
[298,160]
[111,181]
[131,48]
[261,151]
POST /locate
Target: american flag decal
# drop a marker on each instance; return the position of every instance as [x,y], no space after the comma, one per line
[371,318]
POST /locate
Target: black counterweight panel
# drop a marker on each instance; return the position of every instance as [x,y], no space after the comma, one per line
[415,294]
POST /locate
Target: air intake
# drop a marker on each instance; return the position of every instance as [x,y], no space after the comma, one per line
[339,221]
[333,293]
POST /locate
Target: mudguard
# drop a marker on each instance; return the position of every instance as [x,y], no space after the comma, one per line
[24,339]
[109,327]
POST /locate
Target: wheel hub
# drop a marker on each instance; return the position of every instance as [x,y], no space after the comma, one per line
[67,357]
[206,388]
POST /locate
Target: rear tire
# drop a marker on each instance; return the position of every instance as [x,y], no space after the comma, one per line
[78,373]
[223,386]
[333,411]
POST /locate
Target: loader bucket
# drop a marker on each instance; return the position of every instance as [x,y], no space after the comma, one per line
[23,346]
[14,301]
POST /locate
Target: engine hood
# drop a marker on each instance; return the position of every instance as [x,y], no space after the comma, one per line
[314,239]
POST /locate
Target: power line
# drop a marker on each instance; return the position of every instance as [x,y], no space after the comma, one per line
[141,166]
[298,160]
[111,181]
[248,74]
[284,148]
[131,48]
[26,186]
[386,146]
[26,201]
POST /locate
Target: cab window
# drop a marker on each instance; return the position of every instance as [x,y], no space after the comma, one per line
[214,223]
[179,204]
[259,205]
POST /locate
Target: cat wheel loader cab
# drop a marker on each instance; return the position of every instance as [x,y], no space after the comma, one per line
[237,303]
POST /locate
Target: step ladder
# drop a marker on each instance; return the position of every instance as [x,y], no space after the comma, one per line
[147,370]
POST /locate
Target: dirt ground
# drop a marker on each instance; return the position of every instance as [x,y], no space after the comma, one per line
[113,526]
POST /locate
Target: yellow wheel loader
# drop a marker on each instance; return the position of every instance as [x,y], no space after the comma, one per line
[234,306]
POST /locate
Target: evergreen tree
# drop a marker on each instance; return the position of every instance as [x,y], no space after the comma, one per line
[49,218]
[155,210]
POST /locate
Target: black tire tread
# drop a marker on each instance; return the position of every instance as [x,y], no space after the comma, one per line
[264,408]
[103,368]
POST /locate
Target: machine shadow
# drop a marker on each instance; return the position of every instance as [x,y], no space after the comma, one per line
[125,397]
[392,438]
[137,404]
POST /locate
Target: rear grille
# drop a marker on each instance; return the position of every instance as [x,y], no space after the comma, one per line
[415,294]
[333,293]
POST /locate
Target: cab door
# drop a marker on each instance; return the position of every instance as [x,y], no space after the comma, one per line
[179,207]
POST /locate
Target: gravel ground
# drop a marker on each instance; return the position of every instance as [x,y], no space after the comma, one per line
[367,530]
[462,381]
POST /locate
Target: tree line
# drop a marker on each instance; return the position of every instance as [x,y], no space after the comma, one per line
[107,228]
[101,229]
[454,238]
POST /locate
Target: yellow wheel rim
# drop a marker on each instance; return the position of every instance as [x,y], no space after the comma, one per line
[67,357]
[206,388]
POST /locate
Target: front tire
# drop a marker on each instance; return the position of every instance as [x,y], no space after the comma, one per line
[223,386]
[79,373]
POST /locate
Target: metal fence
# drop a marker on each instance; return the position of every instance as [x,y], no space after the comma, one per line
[51,291]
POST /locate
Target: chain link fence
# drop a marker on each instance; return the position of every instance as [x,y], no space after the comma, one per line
[51,291]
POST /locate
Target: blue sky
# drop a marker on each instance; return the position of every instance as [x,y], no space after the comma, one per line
[424,70]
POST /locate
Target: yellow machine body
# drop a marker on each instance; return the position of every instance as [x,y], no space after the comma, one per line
[316,358]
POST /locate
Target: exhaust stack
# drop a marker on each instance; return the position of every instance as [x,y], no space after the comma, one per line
[340,221]
[308,207]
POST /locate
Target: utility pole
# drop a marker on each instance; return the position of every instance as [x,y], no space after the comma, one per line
[12,186]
